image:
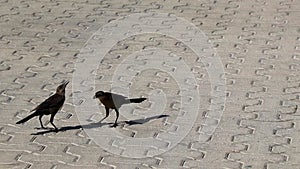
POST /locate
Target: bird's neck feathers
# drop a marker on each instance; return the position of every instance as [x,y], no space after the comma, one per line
[60,92]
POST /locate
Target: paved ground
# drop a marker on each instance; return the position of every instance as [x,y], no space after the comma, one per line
[258,42]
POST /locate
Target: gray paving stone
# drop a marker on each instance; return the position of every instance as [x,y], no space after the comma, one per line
[258,43]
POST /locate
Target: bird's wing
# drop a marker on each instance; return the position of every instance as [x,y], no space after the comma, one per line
[117,99]
[52,102]
[117,96]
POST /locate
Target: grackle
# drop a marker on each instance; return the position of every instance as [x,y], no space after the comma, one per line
[114,101]
[49,107]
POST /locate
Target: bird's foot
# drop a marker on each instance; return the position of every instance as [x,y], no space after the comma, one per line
[114,125]
[55,129]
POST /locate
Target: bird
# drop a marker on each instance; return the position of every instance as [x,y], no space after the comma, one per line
[114,101]
[49,107]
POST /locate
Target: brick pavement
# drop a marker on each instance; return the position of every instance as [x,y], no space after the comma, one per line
[257,42]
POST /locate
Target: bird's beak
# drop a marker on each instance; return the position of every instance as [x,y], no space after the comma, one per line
[94,97]
[66,83]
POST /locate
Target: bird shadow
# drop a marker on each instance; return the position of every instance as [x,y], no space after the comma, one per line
[66,128]
[145,120]
[100,124]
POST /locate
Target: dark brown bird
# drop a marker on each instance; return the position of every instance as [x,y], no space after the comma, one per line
[49,107]
[114,101]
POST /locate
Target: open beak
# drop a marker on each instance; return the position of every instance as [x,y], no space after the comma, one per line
[66,83]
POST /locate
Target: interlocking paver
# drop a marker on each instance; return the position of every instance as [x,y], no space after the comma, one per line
[257,42]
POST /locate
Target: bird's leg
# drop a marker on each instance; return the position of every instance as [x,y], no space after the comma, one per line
[107,114]
[117,114]
[51,121]
[40,118]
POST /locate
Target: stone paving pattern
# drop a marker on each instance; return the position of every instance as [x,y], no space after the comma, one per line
[258,42]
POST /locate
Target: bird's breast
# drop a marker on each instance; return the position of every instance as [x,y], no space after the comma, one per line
[107,103]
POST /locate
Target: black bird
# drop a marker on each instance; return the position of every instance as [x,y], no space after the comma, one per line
[114,101]
[49,107]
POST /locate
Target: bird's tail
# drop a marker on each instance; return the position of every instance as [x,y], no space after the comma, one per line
[26,118]
[137,100]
